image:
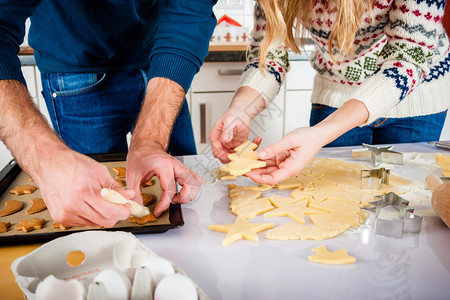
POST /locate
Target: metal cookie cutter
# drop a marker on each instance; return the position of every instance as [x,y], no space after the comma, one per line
[390,216]
[373,179]
[378,155]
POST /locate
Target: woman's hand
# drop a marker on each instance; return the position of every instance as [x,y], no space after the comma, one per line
[288,156]
[234,126]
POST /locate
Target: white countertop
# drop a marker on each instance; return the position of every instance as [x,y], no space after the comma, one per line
[414,267]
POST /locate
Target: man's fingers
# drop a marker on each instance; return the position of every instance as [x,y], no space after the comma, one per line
[169,188]
[161,207]
[190,183]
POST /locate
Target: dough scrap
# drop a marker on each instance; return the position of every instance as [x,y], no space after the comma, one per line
[240,229]
[224,175]
[339,217]
[443,161]
[296,231]
[288,207]
[323,256]
[336,205]
[289,183]
[250,209]
[260,188]
[244,160]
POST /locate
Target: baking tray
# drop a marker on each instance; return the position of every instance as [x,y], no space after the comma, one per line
[173,218]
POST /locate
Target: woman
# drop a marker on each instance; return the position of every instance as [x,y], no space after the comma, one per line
[382,76]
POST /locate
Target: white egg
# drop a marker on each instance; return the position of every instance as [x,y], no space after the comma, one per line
[176,287]
[116,284]
[159,267]
[53,288]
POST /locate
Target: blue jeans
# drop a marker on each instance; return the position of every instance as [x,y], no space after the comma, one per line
[385,130]
[93,113]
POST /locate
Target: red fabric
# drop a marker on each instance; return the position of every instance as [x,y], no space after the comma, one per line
[446,19]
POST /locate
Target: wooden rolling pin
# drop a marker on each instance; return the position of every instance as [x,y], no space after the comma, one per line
[440,201]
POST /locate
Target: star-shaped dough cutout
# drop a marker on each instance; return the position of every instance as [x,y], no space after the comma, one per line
[324,256]
[240,229]
[244,160]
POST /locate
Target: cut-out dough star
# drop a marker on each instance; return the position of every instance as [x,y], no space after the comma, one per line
[324,256]
[244,160]
[240,229]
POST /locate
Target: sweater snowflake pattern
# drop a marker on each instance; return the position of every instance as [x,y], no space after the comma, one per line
[399,66]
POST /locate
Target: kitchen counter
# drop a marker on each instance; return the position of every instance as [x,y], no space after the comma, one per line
[416,266]
[218,52]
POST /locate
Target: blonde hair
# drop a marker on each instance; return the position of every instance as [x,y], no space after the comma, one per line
[289,21]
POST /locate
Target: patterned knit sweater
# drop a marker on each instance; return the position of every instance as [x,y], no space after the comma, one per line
[399,66]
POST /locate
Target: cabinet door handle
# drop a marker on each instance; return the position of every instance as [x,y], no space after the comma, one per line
[203,123]
[230,72]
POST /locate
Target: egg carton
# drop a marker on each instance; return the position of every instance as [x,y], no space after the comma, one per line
[103,251]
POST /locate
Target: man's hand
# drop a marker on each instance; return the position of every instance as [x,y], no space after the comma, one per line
[70,185]
[146,162]
[147,155]
[69,182]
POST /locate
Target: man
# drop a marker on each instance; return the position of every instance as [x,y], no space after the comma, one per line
[102,64]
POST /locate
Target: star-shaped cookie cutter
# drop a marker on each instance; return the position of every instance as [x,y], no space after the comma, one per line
[374,178]
[378,155]
[402,220]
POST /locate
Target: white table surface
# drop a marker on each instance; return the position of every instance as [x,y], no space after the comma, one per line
[416,266]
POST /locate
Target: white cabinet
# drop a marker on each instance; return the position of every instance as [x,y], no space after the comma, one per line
[218,77]
[297,110]
[300,76]
[299,83]
[206,109]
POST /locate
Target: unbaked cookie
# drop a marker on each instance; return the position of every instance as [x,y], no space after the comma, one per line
[324,256]
[240,229]
[244,160]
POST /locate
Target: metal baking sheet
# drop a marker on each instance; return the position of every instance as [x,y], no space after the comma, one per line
[12,176]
